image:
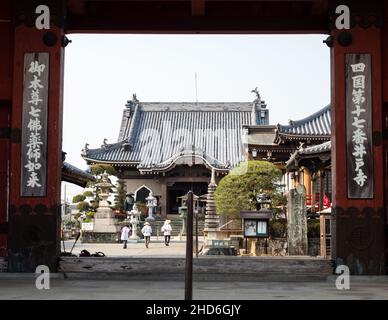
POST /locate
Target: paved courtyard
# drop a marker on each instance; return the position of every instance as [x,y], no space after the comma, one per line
[16,288]
[156,248]
[22,286]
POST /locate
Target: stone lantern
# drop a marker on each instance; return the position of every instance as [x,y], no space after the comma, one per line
[263,201]
[151,204]
[134,221]
[183,216]
[104,220]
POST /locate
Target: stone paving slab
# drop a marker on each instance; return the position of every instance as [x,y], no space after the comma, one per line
[64,289]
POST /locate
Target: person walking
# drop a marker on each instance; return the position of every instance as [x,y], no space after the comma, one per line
[125,235]
[166,229]
[146,231]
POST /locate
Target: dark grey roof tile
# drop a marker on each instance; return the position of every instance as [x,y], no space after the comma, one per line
[159,132]
[318,124]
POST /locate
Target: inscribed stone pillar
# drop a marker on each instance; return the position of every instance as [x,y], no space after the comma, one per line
[297,221]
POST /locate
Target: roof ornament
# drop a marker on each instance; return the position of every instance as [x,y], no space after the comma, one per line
[104,143]
[133,102]
[258,97]
[127,146]
[291,122]
[256,91]
[85,149]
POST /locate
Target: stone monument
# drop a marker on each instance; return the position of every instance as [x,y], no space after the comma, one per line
[297,221]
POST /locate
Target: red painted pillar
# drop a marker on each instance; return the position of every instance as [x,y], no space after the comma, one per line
[384,53]
[6,56]
[34,222]
[360,223]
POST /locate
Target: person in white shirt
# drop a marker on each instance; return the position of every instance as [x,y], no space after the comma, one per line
[166,229]
[146,231]
[125,235]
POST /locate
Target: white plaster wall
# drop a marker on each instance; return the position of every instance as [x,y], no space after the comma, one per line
[135,184]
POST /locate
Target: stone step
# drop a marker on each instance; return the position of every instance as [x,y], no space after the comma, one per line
[176,226]
[204,268]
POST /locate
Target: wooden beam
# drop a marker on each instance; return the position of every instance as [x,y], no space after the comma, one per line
[319,7]
[197,8]
[76,6]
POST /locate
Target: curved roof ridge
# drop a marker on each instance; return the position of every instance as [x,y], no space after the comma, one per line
[307,119]
[191,152]
[312,116]
[106,146]
[309,125]
[322,147]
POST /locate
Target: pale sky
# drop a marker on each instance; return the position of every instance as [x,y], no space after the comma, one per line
[292,73]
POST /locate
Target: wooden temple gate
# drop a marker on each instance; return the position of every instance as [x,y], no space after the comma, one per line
[30,221]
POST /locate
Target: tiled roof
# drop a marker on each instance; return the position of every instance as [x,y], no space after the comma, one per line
[319,148]
[153,136]
[75,175]
[316,125]
[310,152]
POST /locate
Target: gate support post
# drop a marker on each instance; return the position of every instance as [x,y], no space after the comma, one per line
[360,221]
[34,220]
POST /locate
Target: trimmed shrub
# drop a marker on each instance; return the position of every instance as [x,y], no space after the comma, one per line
[83,206]
[78,198]
[278,228]
[313,228]
[88,194]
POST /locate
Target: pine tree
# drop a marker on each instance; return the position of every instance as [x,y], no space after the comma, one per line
[120,195]
[238,190]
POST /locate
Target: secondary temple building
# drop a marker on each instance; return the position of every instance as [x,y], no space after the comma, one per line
[171,148]
[285,145]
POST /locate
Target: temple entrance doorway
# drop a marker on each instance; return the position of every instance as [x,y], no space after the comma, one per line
[179,189]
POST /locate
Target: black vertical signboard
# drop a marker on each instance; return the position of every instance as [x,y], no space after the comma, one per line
[359,126]
[34,125]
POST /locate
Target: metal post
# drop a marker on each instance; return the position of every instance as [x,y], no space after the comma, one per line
[189,248]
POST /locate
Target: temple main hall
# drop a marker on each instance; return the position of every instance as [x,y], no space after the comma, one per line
[171,148]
